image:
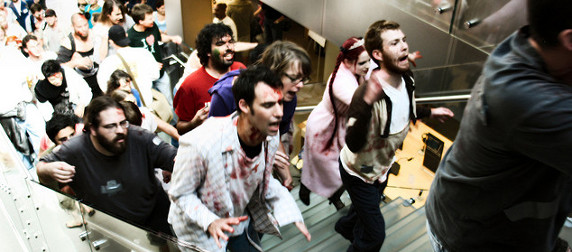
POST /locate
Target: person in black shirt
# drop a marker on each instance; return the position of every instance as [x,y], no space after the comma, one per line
[64,89]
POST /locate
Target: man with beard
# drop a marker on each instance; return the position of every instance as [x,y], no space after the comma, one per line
[76,51]
[222,189]
[110,166]
[378,121]
[215,49]
[146,34]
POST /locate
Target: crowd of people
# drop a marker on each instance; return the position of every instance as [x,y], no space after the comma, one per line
[102,87]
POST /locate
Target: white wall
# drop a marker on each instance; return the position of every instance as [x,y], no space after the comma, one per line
[174,17]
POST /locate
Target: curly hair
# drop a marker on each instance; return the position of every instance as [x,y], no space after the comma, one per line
[205,39]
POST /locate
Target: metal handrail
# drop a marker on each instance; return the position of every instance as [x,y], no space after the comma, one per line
[448,98]
[421,100]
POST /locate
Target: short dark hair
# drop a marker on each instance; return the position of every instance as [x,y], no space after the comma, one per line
[547,18]
[221,5]
[373,39]
[50,67]
[113,82]
[92,111]
[35,7]
[159,3]
[50,13]
[59,122]
[27,39]
[246,83]
[139,11]
[279,55]
[132,112]
[205,39]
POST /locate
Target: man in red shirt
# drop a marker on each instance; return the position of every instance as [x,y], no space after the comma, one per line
[215,49]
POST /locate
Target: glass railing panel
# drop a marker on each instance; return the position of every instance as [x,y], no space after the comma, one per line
[437,13]
[486,23]
[107,233]
[32,210]
[62,224]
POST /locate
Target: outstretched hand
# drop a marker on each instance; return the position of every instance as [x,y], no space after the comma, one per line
[441,114]
[219,226]
[412,57]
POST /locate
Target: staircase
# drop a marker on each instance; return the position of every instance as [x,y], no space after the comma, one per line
[405,227]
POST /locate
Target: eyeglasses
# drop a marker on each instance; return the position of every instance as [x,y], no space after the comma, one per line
[302,79]
[113,126]
[81,5]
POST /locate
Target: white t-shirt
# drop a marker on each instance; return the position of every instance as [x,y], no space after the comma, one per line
[400,106]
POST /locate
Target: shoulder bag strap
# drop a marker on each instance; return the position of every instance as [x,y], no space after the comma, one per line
[132,78]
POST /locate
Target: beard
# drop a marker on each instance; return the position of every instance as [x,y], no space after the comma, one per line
[219,62]
[113,146]
[81,36]
[391,66]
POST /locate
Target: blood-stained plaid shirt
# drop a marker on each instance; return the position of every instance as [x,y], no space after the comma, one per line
[200,192]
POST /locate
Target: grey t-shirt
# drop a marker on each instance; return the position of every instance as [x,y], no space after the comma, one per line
[124,185]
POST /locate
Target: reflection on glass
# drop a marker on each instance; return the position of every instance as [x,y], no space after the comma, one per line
[60,219]
[486,23]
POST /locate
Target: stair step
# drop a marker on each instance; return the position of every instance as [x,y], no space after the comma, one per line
[320,218]
[318,210]
[320,231]
[407,230]
[393,212]
[422,244]
[334,243]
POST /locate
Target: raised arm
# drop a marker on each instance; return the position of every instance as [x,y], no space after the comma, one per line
[359,113]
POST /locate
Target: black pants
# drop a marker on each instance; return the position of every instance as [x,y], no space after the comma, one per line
[364,225]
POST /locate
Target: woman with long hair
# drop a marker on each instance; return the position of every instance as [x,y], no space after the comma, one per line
[326,125]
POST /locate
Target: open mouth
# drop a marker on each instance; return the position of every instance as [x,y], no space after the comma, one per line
[228,56]
[404,58]
[274,125]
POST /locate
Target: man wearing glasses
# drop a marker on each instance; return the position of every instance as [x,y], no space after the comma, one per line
[111,166]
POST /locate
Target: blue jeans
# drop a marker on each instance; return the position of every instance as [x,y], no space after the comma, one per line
[364,225]
[243,243]
[163,85]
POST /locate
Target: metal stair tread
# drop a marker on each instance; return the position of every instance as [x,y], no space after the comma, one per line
[422,243]
[320,231]
[405,231]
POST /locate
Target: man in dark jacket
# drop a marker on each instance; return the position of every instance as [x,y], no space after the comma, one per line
[506,183]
